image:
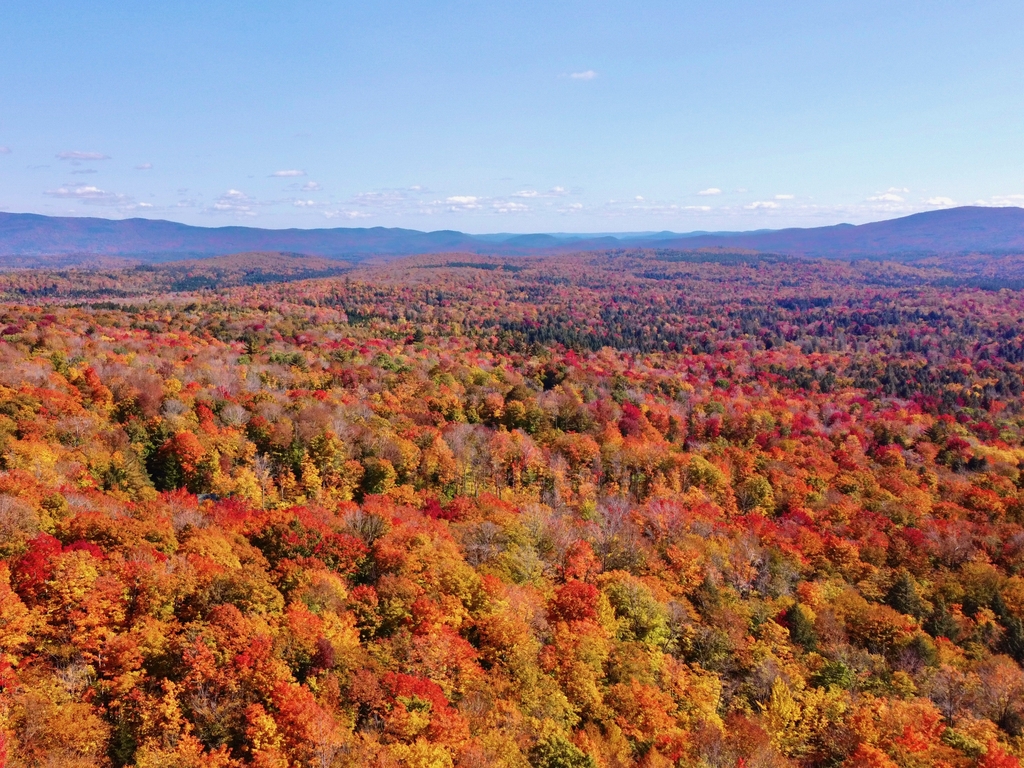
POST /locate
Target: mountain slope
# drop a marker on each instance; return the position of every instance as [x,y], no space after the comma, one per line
[24,238]
[954,230]
[30,234]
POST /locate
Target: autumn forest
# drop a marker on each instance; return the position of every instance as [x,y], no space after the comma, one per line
[636,508]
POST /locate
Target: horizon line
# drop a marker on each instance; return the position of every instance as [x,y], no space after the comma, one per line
[619,234]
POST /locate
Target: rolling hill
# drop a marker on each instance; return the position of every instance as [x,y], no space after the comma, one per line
[30,239]
[954,230]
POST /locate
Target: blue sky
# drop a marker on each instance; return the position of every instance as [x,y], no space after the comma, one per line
[511,117]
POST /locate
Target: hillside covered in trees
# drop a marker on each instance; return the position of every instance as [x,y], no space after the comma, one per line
[48,241]
[642,508]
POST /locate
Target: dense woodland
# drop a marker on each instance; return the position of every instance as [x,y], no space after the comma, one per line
[628,509]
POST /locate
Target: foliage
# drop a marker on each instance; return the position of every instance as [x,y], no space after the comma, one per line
[587,510]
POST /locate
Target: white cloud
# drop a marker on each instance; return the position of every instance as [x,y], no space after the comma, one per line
[5,150]
[761,204]
[234,201]
[587,75]
[346,215]
[288,174]
[311,186]
[79,156]
[144,167]
[383,199]
[710,191]
[784,197]
[642,205]
[79,192]
[88,194]
[553,192]
[898,190]
[504,206]
[462,202]
[1003,201]
[304,203]
[886,197]
[392,201]
[941,202]
[420,201]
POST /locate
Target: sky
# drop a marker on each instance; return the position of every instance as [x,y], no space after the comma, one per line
[511,117]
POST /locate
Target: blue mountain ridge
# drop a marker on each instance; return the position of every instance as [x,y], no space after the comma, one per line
[955,230]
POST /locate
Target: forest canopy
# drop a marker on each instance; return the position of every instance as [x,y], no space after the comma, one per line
[587,511]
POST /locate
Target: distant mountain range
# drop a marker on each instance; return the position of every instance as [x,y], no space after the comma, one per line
[27,239]
[969,229]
